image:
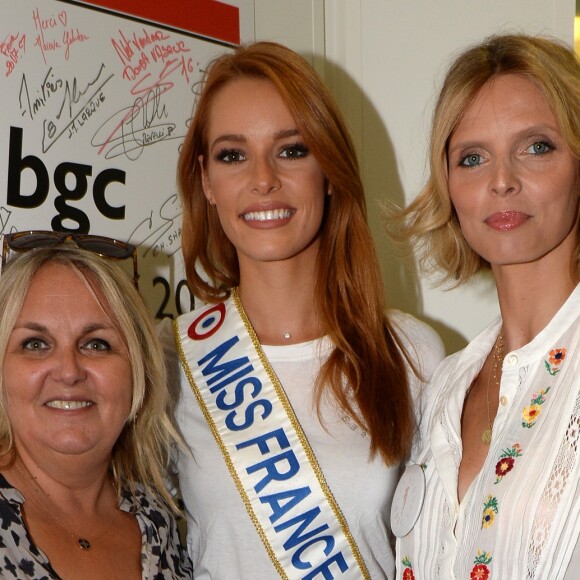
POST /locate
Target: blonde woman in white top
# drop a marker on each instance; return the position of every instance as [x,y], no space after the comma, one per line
[501,434]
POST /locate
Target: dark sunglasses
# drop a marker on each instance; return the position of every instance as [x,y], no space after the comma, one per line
[101,245]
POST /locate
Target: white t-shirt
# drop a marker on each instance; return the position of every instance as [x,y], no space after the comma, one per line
[520,518]
[221,538]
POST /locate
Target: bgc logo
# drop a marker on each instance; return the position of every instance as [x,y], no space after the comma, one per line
[76,189]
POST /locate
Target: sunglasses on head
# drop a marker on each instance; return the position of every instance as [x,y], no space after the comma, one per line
[101,245]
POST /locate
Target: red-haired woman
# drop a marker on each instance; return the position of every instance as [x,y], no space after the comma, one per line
[297,386]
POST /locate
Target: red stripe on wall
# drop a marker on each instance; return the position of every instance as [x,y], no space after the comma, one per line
[205,17]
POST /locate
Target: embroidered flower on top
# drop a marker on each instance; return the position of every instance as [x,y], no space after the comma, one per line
[532,411]
[480,570]
[489,510]
[556,358]
[506,461]
[408,571]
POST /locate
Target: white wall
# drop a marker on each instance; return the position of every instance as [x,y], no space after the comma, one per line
[298,24]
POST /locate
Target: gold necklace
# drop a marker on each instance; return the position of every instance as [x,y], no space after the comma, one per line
[494,374]
[81,542]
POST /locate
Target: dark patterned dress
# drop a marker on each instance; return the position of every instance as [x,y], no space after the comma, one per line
[162,556]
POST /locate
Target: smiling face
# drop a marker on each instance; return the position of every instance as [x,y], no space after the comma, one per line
[67,375]
[267,187]
[512,179]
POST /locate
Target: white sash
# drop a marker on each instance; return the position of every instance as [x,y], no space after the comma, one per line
[268,456]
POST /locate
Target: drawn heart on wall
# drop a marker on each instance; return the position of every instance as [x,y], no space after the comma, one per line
[62,17]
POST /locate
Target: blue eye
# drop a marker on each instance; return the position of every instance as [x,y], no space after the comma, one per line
[230,156]
[296,151]
[539,148]
[471,160]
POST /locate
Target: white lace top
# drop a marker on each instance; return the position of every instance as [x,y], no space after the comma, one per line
[520,518]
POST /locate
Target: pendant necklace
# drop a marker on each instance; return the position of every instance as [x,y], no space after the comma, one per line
[494,376]
[83,543]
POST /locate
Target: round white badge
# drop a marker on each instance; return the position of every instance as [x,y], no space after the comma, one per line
[408,500]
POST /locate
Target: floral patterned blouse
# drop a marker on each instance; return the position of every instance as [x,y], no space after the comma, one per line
[162,556]
[520,517]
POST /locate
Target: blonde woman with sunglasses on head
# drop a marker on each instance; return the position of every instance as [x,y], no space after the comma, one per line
[84,430]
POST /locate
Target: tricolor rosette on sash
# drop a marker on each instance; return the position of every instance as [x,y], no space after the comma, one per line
[268,456]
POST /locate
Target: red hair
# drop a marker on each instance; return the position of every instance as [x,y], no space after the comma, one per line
[366,372]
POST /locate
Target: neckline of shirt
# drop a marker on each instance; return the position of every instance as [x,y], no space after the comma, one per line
[300,350]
